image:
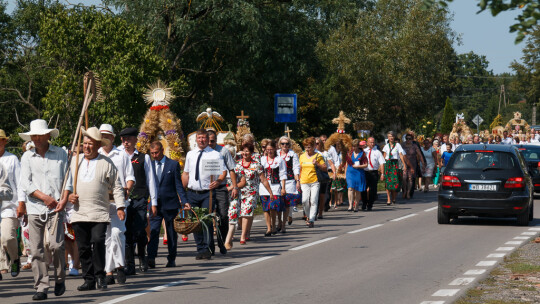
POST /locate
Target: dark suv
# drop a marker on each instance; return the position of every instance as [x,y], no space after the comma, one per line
[486,180]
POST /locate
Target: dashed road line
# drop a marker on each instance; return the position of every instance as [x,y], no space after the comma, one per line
[505,249]
[475,272]
[143,292]
[461,281]
[496,255]
[432,302]
[364,229]
[243,264]
[445,293]
[534,229]
[528,233]
[403,217]
[486,263]
[514,243]
[522,237]
[431,209]
[314,243]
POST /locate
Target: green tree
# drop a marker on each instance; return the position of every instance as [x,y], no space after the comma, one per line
[448,117]
[79,39]
[527,19]
[528,72]
[392,66]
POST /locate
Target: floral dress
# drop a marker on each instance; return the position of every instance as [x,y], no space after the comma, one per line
[248,194]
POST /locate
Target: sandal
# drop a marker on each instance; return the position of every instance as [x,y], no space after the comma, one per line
[242,242]
[289,220]
[388,203]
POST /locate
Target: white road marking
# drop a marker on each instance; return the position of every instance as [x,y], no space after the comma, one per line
[486,263]
[521,238]
[496,255]
[474,272]
[431,209]
[513,243]
[143,292]
[243,264]
[534,229]
[505,248]
[432,302]
[445,293]
[529,233]
[403,217]
[256,221]
[314,243]
[461,281]
[364,229]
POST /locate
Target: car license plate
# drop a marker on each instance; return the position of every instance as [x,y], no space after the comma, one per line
[482,187]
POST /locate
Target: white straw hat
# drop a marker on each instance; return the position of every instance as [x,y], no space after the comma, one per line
[107,129]
[94,133]
[39,127]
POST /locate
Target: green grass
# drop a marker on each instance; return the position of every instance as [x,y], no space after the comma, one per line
[522,268]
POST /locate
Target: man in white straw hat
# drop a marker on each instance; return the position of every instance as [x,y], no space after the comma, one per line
[115,241]
[9,249]
[89,194]
[42,172]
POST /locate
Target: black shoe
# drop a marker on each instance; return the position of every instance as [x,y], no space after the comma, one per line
[151,263]
[0,277]
[121,276]
[130,270]
[109,279]
[222,250]
[59,289]
[101,283]
[87,286]
[143,264]
[170,264]
[207,255]
[16,268]
[39,296]
[268,234]
[198,256]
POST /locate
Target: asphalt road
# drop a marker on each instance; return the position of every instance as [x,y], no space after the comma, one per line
[395,254]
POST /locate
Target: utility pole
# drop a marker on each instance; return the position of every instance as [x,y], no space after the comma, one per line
[502,97]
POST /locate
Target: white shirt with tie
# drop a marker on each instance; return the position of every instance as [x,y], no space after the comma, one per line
[191,167]
[375,158]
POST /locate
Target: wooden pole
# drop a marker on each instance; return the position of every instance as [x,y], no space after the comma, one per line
[210,198]
[85,109]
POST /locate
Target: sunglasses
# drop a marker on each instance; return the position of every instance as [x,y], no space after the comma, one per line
[284,144]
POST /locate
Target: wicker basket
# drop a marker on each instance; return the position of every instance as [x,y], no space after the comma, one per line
[182,226]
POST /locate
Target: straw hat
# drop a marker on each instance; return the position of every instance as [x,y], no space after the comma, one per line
[94,133]
[39,127]
[3,135]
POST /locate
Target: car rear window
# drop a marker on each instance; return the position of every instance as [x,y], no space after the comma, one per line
[530,154]
[482,160]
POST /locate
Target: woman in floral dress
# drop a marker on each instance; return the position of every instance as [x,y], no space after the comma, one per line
[250,173]
[393,152]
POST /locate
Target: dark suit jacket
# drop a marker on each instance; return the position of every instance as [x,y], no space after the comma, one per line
[169,187]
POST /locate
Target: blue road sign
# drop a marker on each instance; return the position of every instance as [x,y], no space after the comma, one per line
[285,107]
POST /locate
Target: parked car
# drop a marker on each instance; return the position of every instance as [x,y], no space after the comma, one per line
[531,153]
[486,180]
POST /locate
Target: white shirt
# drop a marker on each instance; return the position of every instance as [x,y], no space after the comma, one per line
[394,154]
[45,174]
[278,162]
[122,162]
[191,167]
[12,166]
[443,147]
[333,155]
[508,141]
[375,158]
[150,181]
[290,184]
[87,170]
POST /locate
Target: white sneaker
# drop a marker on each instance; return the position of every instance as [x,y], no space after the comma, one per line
[73,272]
[295,209]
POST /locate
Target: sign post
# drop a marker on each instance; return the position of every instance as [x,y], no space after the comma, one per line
[477,121]
[285,108]
[211,167]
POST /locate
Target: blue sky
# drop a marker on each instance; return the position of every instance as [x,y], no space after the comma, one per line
[480,33]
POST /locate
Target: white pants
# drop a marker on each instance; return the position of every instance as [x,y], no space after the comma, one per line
[310,200]
[115,241]
[8,242]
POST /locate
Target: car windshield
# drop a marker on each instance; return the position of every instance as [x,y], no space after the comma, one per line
[484,160]
[530,153]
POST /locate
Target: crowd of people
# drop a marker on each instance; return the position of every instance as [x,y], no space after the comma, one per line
[92,211]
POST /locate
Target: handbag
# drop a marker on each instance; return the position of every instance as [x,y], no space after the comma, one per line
[322,176]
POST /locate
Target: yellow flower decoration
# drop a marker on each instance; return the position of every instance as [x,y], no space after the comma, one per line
[169,121]
[176,144]
[147,120]
[424,127]
[138,145]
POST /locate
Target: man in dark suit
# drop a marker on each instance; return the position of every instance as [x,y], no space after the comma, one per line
[170,192]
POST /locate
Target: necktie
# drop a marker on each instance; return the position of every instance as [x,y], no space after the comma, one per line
[159,171]
[198,162]
[369,158]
